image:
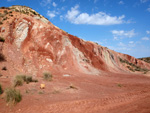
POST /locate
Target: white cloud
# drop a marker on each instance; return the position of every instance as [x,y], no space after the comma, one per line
[45,2]
[145,38]
[143,1]
[121,2]
[71,15]
[100,18]
[131,42]
[51,14]
[148,9]
[148,32]
[54,4]
[123,34]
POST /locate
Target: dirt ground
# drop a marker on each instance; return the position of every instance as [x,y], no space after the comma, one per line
[108,93]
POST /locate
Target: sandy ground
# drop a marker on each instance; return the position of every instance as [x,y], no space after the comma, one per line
[111,93]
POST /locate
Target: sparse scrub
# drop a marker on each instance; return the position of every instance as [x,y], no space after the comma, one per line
[146,59]
[2,58]
[47,76]
[20,79]
[133,67]
[28,79]
[12,96]
[1,90]
[145,72]
[5,11]
[72,87]
[119,85]
[5,18]
[1,38]
[4,68]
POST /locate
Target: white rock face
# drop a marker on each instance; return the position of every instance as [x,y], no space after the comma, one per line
[49,60]
[21,33]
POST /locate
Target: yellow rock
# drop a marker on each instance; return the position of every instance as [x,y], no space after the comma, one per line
[42,86]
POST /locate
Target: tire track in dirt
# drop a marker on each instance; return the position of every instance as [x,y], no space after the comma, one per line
[89,106]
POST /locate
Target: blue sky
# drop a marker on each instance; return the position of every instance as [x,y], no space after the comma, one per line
[121,25]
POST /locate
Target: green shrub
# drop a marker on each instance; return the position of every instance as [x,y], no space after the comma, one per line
[20,79]
[1,90]
[12,96]
[47,76]
[28,79]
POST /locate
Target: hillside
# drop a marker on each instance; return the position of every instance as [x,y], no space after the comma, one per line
[42,46]
[84,73]
[146,59]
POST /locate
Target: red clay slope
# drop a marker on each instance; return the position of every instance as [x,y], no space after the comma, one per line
[34,45]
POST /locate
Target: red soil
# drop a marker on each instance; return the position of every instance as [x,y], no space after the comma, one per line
[115,93]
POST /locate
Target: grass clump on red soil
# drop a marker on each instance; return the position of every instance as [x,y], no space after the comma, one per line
[20,79]
[1,90]
[12,96]
[47,76]
[119,85]
[2,58]
[72,87]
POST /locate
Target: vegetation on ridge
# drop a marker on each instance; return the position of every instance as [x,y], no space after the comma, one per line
[133,67]
[146,59]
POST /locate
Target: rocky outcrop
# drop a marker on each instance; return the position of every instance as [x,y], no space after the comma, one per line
[34,45]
